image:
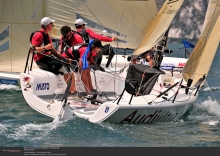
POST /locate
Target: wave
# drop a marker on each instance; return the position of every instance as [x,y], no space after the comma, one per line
[206,112]
[211,106]
[32,132]
[9,86]
[3,128]
[210,89]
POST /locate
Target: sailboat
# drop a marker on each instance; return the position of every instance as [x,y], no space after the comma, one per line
[140,94]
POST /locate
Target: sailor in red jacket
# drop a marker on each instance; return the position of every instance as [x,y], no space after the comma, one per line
[42,44]
[68,40]
[88,34]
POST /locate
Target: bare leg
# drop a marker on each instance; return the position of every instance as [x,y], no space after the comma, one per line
[84,78]
[89,79]
[67,79]
[73,86]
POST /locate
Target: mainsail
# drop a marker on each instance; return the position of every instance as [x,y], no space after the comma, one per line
[159,26]
[16,25]
[126,19]
[204,52]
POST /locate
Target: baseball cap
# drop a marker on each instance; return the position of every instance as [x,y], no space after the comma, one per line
[79,22]
[98,43]
[46,20]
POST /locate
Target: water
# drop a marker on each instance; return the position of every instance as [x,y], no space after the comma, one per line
[21,126]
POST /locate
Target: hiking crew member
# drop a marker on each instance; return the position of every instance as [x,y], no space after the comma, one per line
[88,34]
[67,41]
[41,43]
[86,77]
[85,73]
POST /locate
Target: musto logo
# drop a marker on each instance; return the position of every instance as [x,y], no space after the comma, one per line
[43,86]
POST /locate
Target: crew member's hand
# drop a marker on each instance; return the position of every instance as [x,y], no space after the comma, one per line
[48,47]
[114,38]
[32,49]
[69,60]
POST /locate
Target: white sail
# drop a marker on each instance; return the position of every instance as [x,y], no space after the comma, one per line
[159,25]
[18,20]
[209,12]
[126,19]
[200,60]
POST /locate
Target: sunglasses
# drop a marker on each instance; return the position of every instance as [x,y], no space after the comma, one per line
[67,35]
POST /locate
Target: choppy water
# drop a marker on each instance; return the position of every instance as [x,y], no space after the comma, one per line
[22,126]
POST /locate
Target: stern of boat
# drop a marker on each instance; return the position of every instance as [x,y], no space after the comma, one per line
[99,114]
[40,89]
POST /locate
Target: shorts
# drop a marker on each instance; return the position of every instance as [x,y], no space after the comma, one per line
[53,65]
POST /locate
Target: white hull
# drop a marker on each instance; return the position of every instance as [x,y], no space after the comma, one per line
[136,113]
[40,88]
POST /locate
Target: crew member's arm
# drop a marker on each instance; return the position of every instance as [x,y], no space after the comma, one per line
[37,40]
[60,46]
[93,35]
[59,55]
[41,48]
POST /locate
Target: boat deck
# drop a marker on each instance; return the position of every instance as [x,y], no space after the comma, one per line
[80,101]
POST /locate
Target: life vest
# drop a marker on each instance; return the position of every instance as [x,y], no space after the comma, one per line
[75,51]
[45,38]
[66,44]
[84,35]
[47,63]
